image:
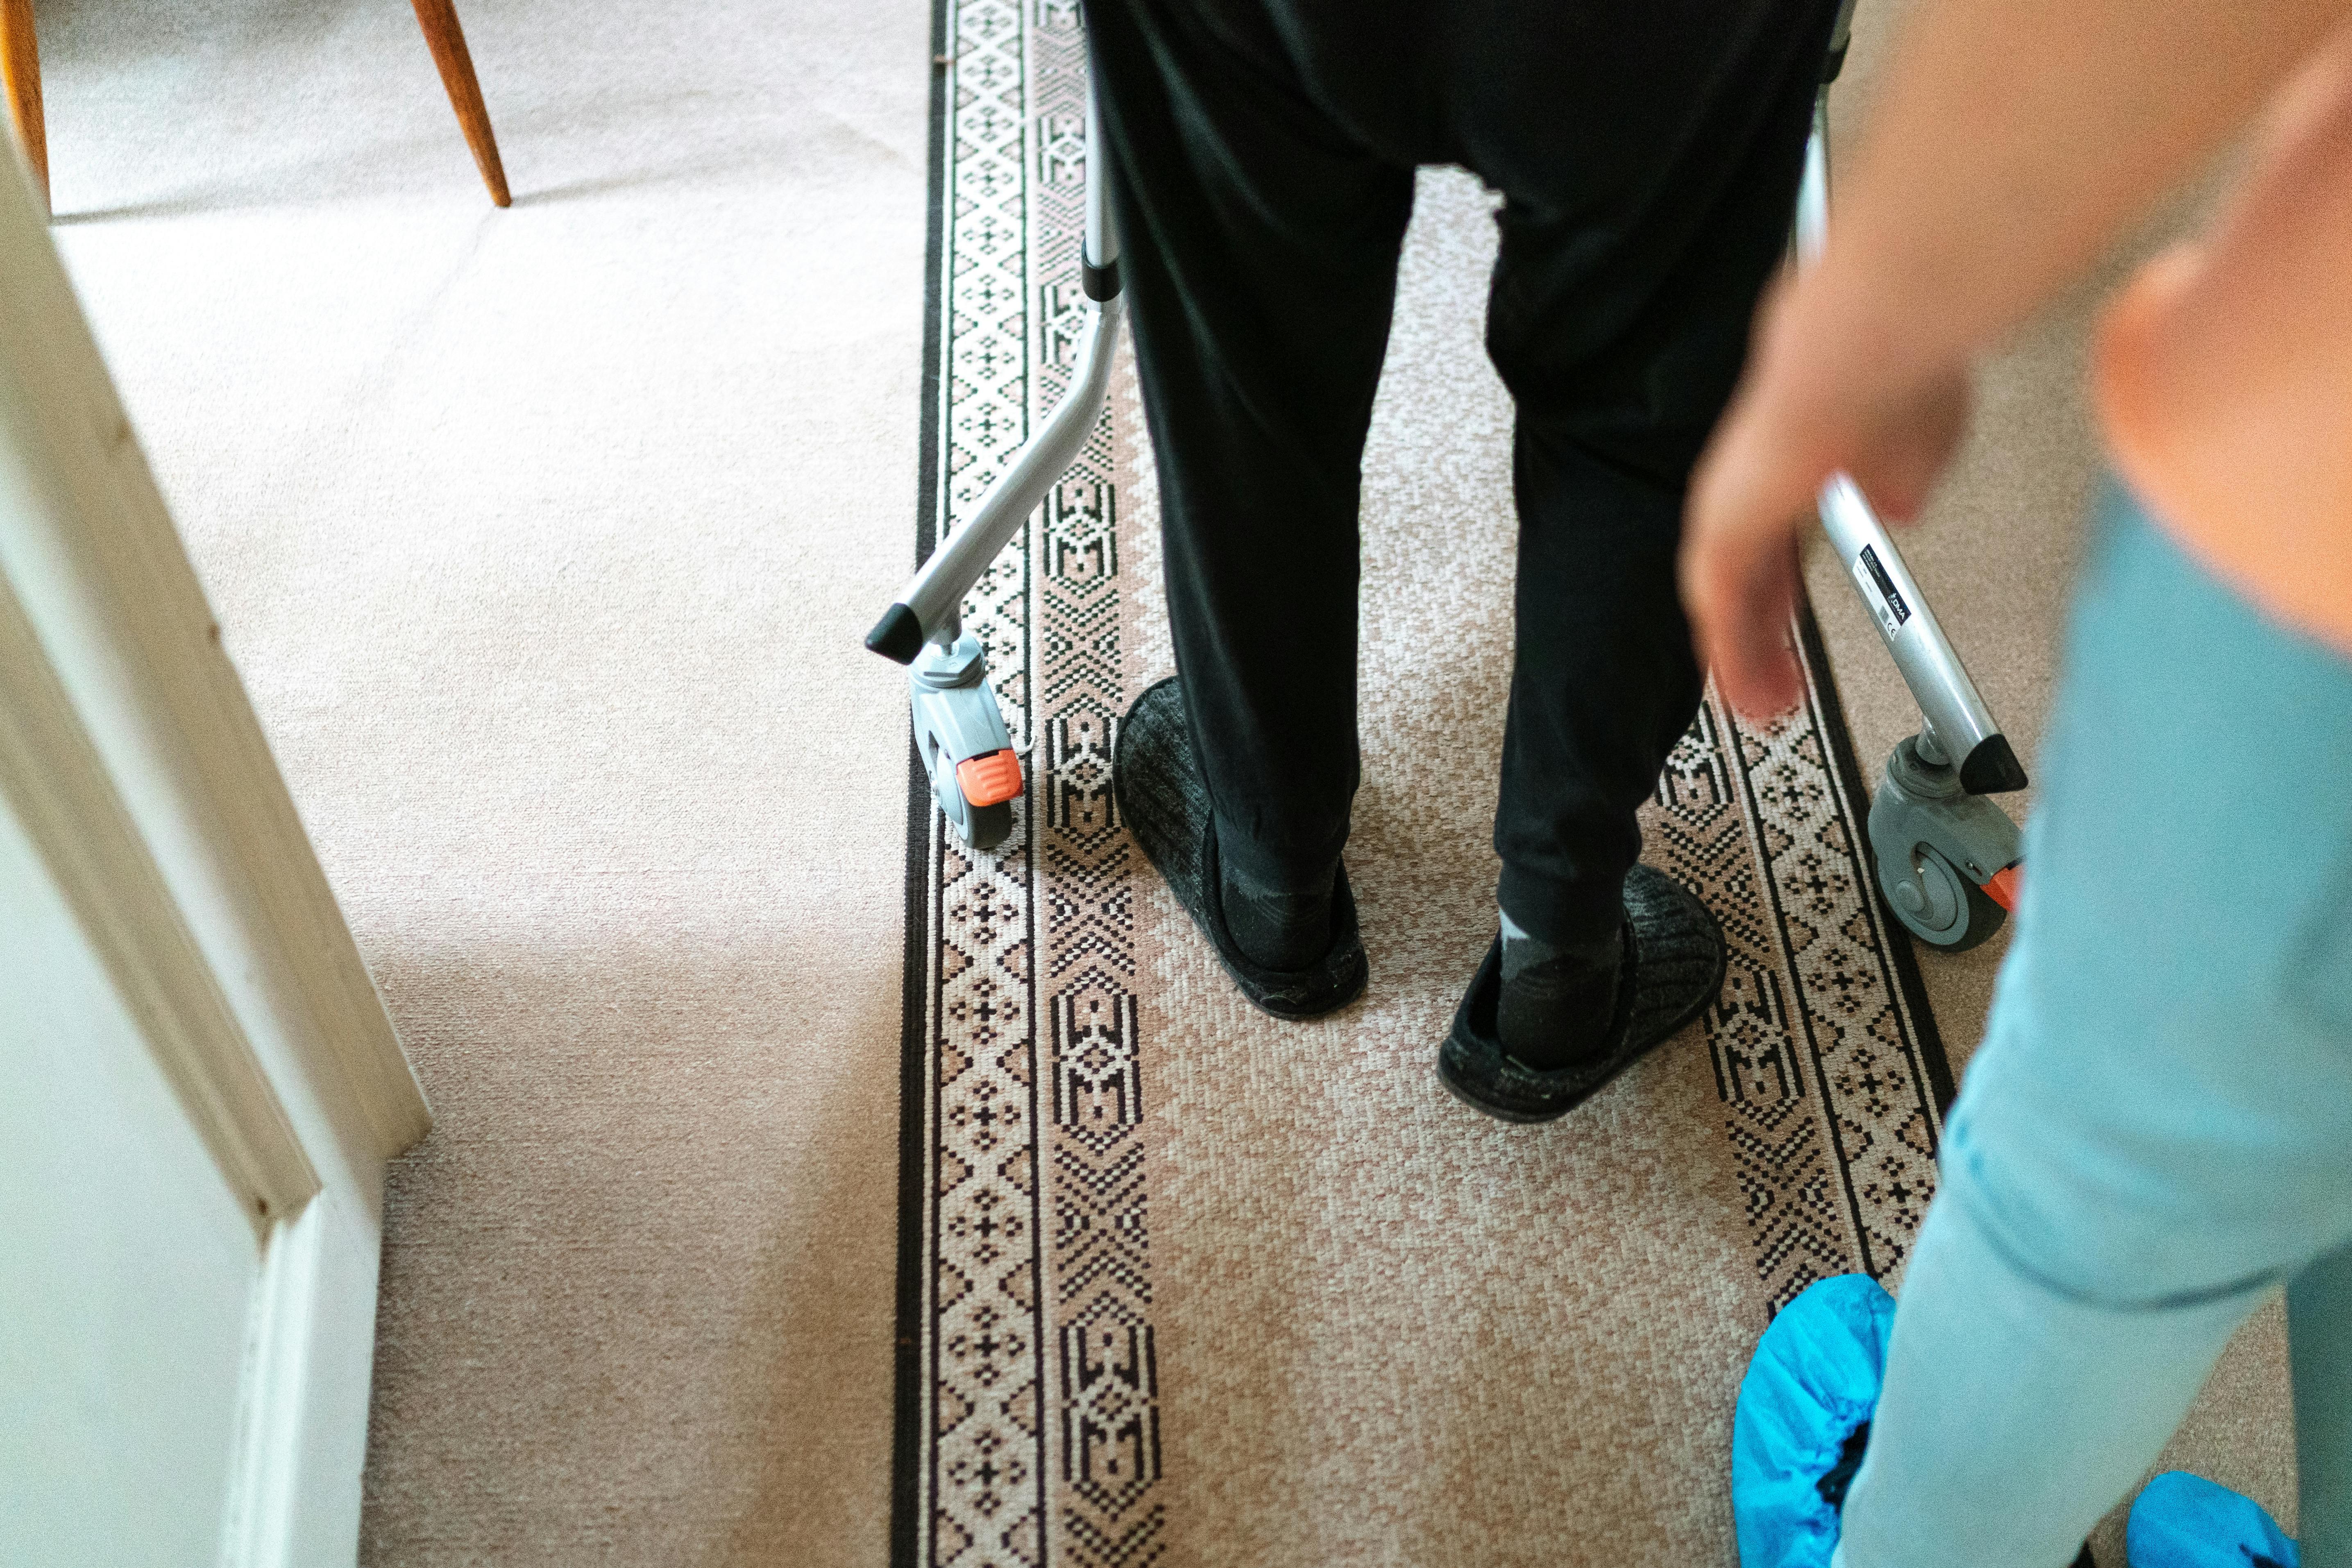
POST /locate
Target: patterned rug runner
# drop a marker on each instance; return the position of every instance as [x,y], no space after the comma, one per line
[1180,1284]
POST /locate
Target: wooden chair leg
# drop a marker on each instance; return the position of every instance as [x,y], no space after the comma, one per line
[20,73]
[447,42]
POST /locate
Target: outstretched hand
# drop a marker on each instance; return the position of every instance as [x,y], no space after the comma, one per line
[1817,399]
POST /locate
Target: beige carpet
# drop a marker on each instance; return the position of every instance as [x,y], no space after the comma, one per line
[544,540]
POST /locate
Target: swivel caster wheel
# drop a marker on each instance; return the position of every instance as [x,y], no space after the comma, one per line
[1947,859]
[991,825]
[1936,904]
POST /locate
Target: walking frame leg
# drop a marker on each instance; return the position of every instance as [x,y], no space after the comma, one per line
[960,730]
[1948,861]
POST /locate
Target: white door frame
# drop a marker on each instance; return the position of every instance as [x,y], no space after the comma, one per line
[130,752]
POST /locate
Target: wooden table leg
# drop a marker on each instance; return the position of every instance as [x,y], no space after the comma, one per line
[20,73]
[447,42]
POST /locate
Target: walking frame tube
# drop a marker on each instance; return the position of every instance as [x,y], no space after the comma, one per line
[931,607]
[1957,728]
[959,725]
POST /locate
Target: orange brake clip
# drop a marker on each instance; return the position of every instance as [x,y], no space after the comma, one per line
[986,780]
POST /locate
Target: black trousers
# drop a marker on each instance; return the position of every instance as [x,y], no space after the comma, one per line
[1648,153]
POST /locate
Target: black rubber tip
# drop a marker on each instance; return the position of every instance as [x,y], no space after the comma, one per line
[1100,283]
[898,636]
[1992,768]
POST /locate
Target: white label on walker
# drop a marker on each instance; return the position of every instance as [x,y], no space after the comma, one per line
[1878,591]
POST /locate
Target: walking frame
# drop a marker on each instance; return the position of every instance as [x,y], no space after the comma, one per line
[1949,860]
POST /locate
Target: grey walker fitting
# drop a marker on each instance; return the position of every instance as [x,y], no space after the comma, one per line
[957,720]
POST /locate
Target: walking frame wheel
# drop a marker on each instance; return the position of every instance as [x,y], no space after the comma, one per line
[991,825]
[982,827]
[1936,904]
[1948,861]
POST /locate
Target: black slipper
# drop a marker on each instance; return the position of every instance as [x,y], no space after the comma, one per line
[1163,801]
[1673,967]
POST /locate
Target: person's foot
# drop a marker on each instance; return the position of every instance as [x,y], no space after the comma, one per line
[2180,1521]
[1556,1003]
[1279,928]
[1802,1427]
[1303,955]
[1670,963]
[1802,1422]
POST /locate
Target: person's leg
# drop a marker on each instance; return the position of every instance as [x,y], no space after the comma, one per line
[2016,1413]
[1619,319]
[1259,248]
[2158,1127]
[2319,1346]
[1621,335]
[2181,1520]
